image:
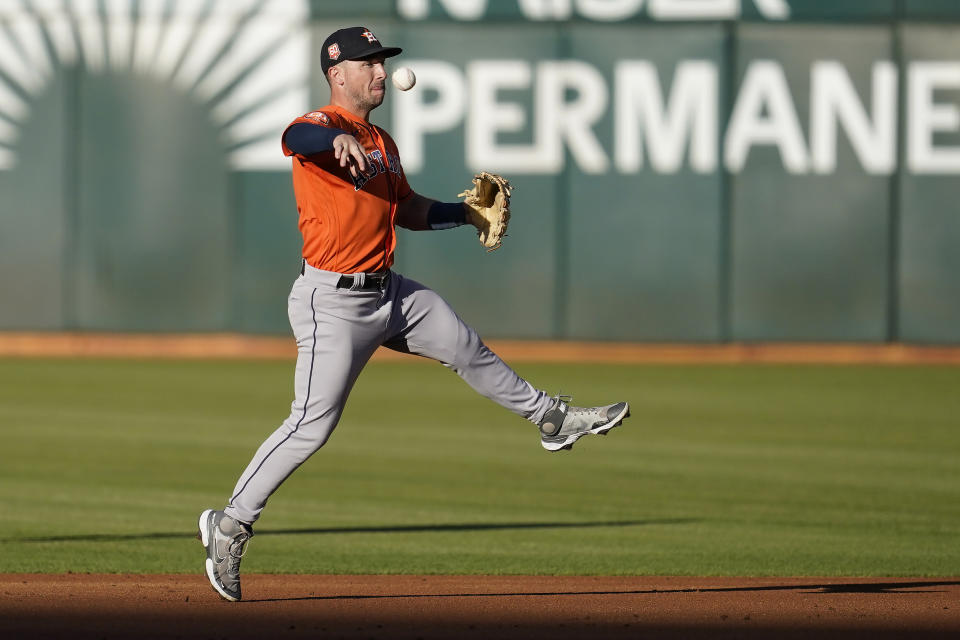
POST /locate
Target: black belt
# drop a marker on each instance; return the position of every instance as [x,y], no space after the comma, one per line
[368,281]
[364,281]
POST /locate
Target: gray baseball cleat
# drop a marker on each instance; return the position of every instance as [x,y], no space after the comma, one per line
[226,541]
[563,424]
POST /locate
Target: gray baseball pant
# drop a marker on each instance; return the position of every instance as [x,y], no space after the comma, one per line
[337,331]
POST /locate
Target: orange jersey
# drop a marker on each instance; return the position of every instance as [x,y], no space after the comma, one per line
[347,223]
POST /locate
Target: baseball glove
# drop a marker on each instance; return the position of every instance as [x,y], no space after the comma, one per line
[488,202]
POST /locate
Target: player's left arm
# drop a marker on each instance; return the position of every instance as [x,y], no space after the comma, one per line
[419,213]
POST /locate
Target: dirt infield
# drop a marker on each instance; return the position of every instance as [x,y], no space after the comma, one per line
[505,607]
[231,345]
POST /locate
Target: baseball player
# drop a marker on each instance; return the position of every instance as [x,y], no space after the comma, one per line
[351,192]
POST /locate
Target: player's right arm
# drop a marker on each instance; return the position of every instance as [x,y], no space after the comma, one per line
[305,139]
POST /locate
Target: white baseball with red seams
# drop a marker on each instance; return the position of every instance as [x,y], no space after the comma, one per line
[404,78]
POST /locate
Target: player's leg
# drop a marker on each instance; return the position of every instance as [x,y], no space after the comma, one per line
[337,332]
[426,325]
[335,338]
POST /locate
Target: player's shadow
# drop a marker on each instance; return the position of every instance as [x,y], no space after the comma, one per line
[905,587]
[401,528]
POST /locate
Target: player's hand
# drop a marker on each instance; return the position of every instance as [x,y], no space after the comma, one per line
[348,151]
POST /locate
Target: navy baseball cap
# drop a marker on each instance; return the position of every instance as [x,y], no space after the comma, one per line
[352,43]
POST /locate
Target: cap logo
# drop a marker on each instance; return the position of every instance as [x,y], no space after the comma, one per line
[369,36]
[333,51]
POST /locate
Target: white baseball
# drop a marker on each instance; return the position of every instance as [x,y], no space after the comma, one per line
[403,78]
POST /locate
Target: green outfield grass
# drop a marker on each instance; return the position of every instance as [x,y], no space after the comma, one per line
[722,470]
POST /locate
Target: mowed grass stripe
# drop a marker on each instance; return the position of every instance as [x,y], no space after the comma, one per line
[722,470]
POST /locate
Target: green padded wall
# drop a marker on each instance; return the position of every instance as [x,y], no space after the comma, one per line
[809,252]
[929,259]
[36,238]
[703,172]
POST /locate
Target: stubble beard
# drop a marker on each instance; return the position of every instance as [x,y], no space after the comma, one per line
[367,103]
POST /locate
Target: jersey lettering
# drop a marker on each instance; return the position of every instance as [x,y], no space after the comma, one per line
[377,157]
[393,164]
[376,165]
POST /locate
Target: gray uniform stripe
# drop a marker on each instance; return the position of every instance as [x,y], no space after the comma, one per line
[306,402]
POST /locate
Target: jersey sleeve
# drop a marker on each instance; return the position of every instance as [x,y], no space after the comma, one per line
[319,118]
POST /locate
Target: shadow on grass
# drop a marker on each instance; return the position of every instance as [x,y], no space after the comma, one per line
[849,587]
[403,528]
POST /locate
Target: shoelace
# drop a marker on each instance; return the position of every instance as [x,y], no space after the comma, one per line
[236,550]
[562,397]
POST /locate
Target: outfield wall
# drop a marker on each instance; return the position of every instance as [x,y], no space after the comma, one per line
[685,170]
